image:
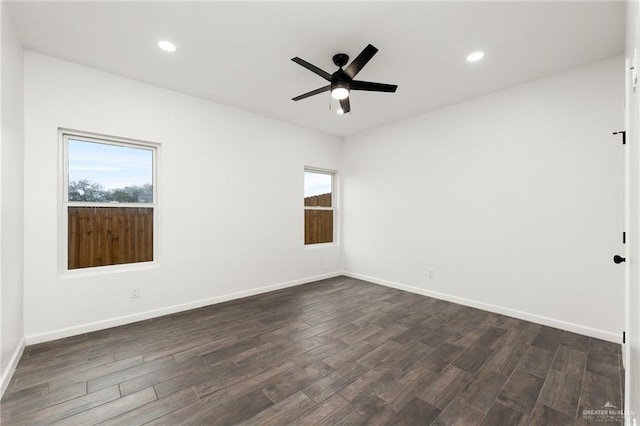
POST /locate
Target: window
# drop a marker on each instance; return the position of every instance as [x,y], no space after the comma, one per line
[319,206]
[109,201]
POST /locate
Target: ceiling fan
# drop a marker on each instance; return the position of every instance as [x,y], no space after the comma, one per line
[342,81]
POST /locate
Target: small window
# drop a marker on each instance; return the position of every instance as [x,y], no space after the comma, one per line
[319,207]
[109,201]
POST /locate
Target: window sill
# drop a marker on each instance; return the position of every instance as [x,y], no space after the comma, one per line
[319,246]
[104,270]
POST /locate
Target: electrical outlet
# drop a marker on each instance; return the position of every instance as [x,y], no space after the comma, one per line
[432,274]
[135,292]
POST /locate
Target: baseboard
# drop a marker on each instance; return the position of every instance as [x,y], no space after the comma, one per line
[539,319]
[13,364]
[141,316]
[127,319]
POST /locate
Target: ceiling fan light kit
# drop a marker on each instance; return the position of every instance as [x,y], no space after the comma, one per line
[335,107]
[339,93]
[342,82]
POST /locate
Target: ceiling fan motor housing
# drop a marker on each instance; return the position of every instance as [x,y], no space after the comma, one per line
[339,79]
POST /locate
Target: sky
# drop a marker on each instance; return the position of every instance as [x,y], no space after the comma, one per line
[117,167]
[109,165]
[316,183]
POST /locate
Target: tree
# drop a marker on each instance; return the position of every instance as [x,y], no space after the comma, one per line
[132,194]
[83,190]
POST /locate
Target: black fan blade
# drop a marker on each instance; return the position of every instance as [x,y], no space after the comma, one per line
[359,62]
[312,68]
[345,105]
[372,87]
[313,92]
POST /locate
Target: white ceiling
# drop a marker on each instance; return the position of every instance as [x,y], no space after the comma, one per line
[238,53]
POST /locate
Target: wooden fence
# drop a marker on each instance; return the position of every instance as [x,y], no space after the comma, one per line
[318,224]
[322,200]
[100,236]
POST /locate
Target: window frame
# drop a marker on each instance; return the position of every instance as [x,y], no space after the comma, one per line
[334,207]
[63,176]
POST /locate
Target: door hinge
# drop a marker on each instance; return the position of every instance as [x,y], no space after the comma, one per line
[634,70]
[624,337]
[624,238]
[624,136]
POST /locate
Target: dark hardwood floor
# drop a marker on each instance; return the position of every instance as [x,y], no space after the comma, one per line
[339,351]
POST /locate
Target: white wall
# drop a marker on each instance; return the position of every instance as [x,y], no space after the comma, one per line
[513,199]
[231,194]
[11,200]
[632,347]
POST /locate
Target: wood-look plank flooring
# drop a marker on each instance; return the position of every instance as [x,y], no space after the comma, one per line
[335,352]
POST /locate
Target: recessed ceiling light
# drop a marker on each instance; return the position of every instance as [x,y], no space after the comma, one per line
[475,56]
[167,46]
[340,111]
